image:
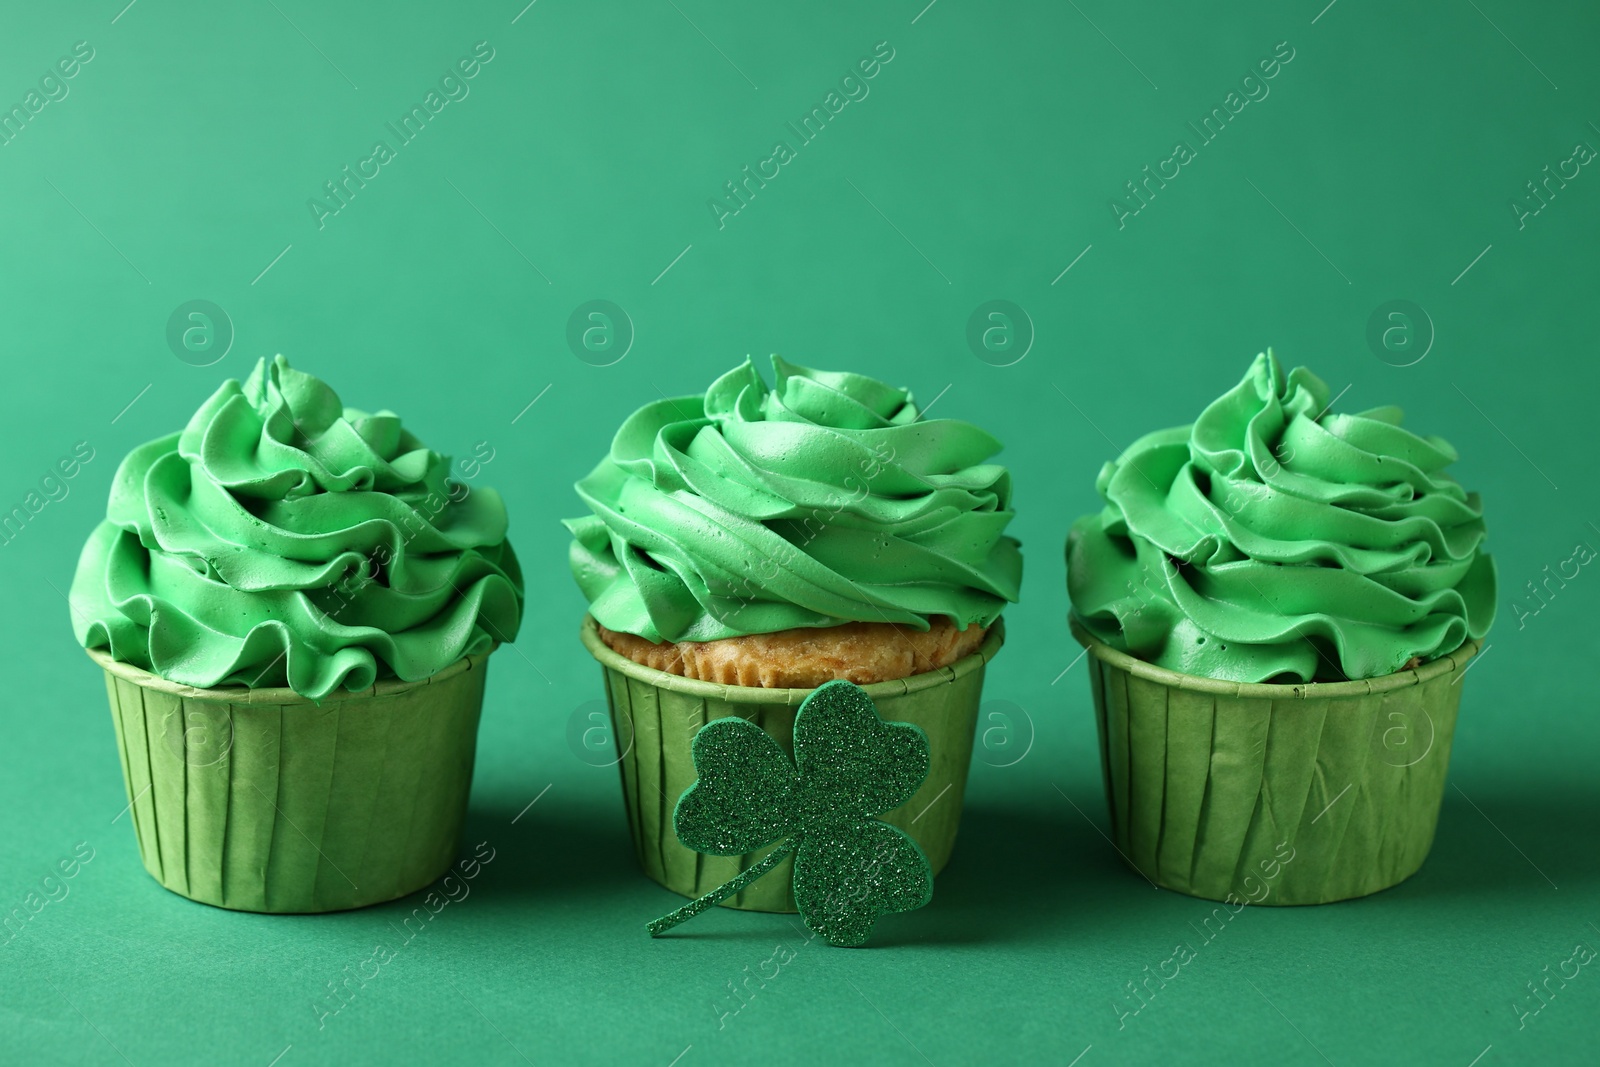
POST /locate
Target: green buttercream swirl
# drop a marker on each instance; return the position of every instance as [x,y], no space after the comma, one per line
[1272,540]
[823,500]
[284,539]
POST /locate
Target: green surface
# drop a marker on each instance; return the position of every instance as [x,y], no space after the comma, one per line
[1381,166]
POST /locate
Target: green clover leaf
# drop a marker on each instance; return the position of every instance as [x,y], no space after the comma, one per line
[744,795]
[849,767]
[845,878]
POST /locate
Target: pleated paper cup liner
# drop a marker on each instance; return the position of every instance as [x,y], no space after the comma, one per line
[1273,794]
[655,716]
[262,800]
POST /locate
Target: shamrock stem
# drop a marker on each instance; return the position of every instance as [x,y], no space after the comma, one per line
[725,890]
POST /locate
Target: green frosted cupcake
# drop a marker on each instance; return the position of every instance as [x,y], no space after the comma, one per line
[1278,599]
[294,605]
[747,545]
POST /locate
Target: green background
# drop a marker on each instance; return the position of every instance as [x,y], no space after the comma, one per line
[981,165]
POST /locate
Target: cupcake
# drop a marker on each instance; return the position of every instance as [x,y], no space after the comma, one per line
[750,544]
[294,604]
[1280,601]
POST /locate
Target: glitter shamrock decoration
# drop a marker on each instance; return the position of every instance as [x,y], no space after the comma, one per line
[849,766]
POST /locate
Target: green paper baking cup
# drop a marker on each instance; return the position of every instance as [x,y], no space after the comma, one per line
[261,800]
[655,716]
[1273,794]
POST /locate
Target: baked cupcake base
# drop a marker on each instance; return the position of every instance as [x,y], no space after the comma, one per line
[655,716]
[263,800]
[1273,794]
[861,652]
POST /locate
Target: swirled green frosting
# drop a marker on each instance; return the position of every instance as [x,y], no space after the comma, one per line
[823,500]
[1274,541]
[284,539]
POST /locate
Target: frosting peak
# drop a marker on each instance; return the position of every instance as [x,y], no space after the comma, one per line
[821,500]
[284,539]
[1273,539]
